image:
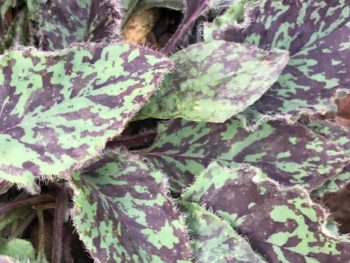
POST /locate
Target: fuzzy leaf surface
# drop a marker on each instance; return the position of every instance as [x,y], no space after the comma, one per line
[338,136]
[293,226]
[63,22]
[58,109]
[291,154]
[214,240]
[122,213]
[317,35]
[214,81]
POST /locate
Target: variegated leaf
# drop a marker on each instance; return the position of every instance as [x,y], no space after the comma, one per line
[317,35]
[214,81]
[63,22]
[291,154]
[58,109]
[214,240]
[122,213]
[338,136]
[281,223]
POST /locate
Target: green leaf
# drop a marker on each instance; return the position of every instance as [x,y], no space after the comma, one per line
[291,154]
[283,224]
[58,109]
[214,81]
[19,249]
[317,35]
[213,239]
[63,22]
[122,212]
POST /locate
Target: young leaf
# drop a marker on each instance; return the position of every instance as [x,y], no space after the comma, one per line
[281,223]
[122,213]
[231,18]
[58,109]
[19,249]
[214,81]
[64,22]
[291,154]
[214,240]
[317,35]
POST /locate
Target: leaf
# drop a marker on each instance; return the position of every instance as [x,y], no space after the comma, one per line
[214,240]
[63,22]
[317,35]
[19,249]
[339,136]
[291,154]
[58,109]
[281,223]
[214,81]
[230,19]
[122,213]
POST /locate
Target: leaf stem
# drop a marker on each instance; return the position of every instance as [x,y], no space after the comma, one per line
[189,19]
[60,211]
[9,206]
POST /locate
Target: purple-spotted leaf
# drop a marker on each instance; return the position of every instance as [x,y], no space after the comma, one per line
[283,224]
[291,154]
[338,136]
[214,81]
[58,109]
[123,214]
[317,35]
[63,22]
[214,240]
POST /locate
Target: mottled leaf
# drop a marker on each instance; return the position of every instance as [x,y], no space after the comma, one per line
[281,223]
[63,22]
[122,213]
[338,136]
[58,109]
[213,239]
[291,154]
[236,16]
[19,249]
[214,81]
[317,35]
